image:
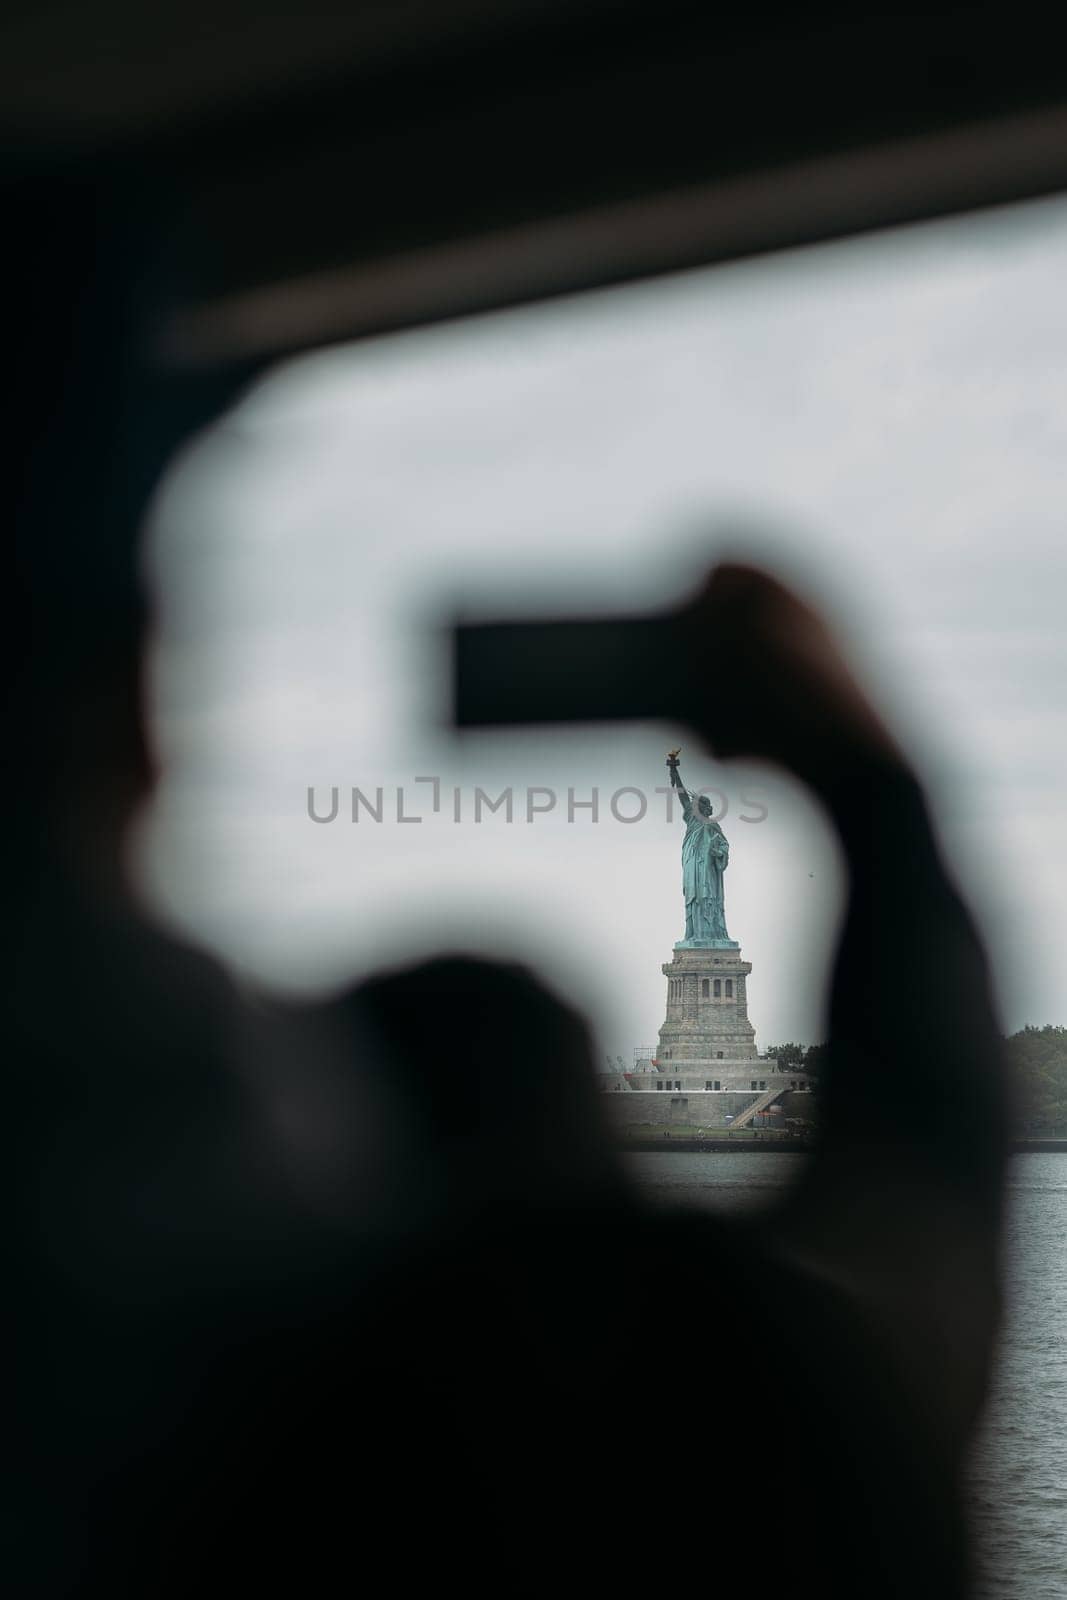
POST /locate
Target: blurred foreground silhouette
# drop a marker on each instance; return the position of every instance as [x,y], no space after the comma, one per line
[363,1287]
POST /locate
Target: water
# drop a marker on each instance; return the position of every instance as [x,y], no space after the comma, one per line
[1019,1468]
[1020,1462]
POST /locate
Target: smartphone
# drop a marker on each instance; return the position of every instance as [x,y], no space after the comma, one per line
[591,670]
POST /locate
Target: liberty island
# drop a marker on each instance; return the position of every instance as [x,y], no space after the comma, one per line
[706,1071]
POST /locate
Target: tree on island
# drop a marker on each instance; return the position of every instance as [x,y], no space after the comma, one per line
[788,1056]
[1037,1063]
[815,1058]
[1037,1067]
[794,1057]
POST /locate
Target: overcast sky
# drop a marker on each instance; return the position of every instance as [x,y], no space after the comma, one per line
[884,420]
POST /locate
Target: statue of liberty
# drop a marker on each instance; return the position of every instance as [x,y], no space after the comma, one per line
[705,856]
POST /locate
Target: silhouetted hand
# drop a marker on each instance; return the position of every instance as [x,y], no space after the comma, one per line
[790,696]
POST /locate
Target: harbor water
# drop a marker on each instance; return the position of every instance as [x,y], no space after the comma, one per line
[1018,1477]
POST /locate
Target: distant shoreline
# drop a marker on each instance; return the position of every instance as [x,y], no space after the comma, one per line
[669,1144]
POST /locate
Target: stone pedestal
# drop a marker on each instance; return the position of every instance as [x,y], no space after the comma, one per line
[707,1007]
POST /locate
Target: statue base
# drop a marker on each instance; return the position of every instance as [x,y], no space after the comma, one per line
[707,1005]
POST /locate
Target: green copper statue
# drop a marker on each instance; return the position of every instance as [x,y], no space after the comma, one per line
[705,855]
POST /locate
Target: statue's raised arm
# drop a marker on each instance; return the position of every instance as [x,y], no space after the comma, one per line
[676,779]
